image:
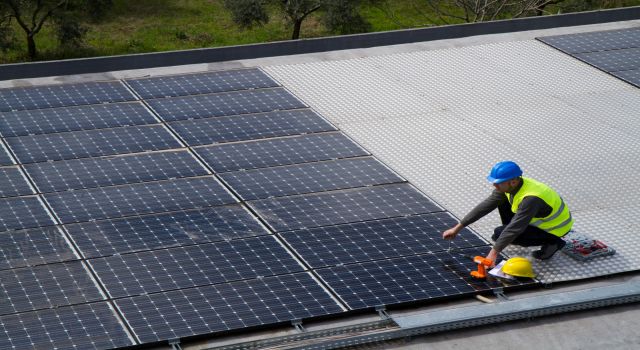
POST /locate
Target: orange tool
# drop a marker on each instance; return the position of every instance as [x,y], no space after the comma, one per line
[483,263]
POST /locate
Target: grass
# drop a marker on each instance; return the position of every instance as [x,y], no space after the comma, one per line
[163,25]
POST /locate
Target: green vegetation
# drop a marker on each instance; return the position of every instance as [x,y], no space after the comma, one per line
[160,25]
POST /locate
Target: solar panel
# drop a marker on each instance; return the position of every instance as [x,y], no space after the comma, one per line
[630,76]
[113,170]
[49,96]
[137,199]
[119,236]
[613,60]
[52,120]
[201,83]
[5,159]
[225,103]
[595,41]
[23,212]
[46,286]
[86,326]
[405,279]
[379,239]
[13,183]
[309,177]
[92,143]
[253,126]
[192,266]
[34,246]
[228,306]
[344,206]
[282,151]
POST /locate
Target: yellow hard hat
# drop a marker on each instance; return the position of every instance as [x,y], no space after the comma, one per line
[519,267]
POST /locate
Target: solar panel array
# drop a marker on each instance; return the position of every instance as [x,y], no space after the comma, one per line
[144,210]
[616,52]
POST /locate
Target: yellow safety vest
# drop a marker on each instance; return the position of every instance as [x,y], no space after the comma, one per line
[559,222]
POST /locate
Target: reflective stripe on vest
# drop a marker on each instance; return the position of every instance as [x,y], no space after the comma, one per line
[559,221]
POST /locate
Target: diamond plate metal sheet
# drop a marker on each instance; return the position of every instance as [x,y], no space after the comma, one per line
[442,118]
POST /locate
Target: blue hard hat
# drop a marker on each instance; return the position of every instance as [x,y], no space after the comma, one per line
[504,171]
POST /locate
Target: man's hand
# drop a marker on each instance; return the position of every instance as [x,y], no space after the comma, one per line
[452,232]
[493,256]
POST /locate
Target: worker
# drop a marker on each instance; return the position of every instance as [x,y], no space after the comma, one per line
[532,213]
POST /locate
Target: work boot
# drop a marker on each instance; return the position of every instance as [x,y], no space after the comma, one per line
[546,251]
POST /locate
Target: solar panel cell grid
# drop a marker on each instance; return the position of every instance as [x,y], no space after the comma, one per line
[23,212]
[13,183]
[46,286]
[339,207]
[595,41]
[137,199]
[283,151]
[201,83]
[614,60]
[246,127]
[379,239]
[30,247]
[228,306]
[5,159]
[53,120]
[93,143]
[226,103]
[114,170]
[35,97]
[108,237]
[309,177]
[86,326]
[630,76]
[197,265]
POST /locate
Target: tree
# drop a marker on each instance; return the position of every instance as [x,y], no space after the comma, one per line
[6,32]
[339,15]
[487,10]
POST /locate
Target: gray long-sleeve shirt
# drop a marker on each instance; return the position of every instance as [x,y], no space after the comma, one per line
[529,208]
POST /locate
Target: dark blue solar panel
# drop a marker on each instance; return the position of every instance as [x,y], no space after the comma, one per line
[226,103]
[36,97]
[46,286]
[36,246]
[13,183]
[193,266]
[52,120]
[5,159]
[201,83]
[114,170]
[282,151]
[630,76]
[136,199]
[595,41]
[613,60]
[88,326]
[92,143]
[228,306]
[253,126]
[338,207]
[406,279]
[108,237]
[22,212]
[379,239]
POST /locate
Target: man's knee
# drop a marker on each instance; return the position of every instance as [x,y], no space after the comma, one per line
[497,232]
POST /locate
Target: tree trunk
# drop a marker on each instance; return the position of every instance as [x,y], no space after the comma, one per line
[31,47]
[296,29]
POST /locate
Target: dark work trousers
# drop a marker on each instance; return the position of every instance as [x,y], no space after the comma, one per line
[532,236]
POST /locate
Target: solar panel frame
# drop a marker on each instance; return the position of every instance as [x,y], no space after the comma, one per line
[343,206]
[75,118]
[13,183]
[86,326]
[46,286]
[37,246]
[201,83]
[613,60]
[228,306]
[203,131]
[630,76]
[193,266]
[224,103]
[137,199]
[155,231]
[23,212]
[279,151]
[378,239]
[5,158]
[92,143]
[309,177]
[115,170]
[50,96]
